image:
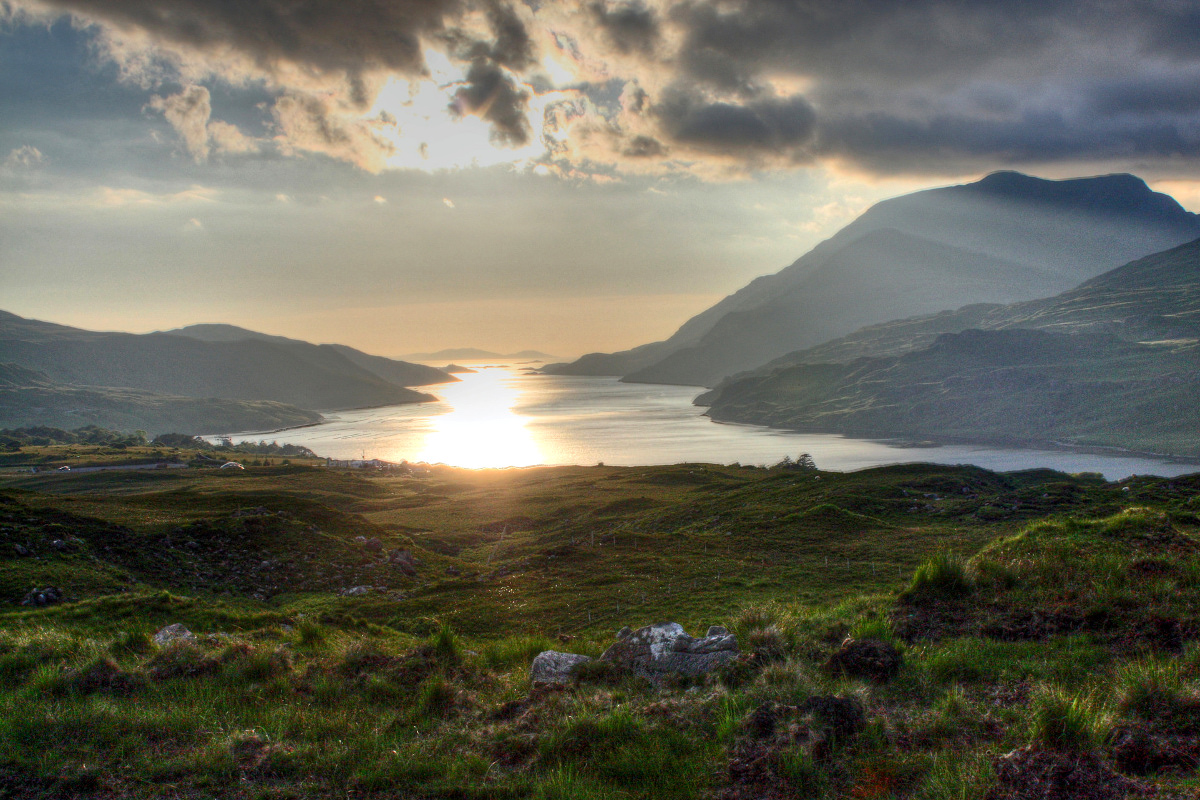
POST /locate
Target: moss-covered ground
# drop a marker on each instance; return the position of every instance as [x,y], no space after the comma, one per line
[1047,615]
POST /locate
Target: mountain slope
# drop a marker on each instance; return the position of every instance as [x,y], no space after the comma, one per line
[401,373]
[1114,361]
[295,373]
[30,398]
[1005,238]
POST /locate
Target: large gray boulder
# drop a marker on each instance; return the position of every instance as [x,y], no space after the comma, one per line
[657,651]
[551,666]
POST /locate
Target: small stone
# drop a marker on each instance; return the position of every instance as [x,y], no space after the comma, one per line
[717,630]
[59,545]
[373,544]
[175,632]
[21,549]
[551,666]
[355,591]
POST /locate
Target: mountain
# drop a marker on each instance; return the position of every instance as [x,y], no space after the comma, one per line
[1115,362]
[475,354]
[289,372]
[400,373]
[28,397]
[1005,238]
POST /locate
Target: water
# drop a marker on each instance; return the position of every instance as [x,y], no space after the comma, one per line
[503,417]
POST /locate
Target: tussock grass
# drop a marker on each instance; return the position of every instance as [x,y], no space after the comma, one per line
[1066,722]
[942,577]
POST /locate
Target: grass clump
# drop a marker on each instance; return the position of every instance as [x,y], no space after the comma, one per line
[942,577]
[1066,722]
[513,651]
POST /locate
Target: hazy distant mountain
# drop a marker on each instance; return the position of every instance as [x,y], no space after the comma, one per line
[28,397]
[1115,361]
[475,354]
[1005,238]
[290,372]
[400,373]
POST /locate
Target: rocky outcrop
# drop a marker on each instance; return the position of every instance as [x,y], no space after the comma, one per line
[173,633]
[551,666]
[656,651]
[43,597]
[869,658]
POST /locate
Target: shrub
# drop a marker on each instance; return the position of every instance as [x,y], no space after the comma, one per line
[942,577]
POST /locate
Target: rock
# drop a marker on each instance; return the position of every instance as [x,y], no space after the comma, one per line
[404,561]
[373,544]
[551,666]
[173,633]
[21,549]
[42,597]
[624,632]
[865,658]
[656,651]
[1035,773]
[717,630]
[60,545]
[355,591]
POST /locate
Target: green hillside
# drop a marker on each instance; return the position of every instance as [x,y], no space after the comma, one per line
[1045,623]
[1112,362]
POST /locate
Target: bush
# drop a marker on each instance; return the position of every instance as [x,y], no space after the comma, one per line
[942,577]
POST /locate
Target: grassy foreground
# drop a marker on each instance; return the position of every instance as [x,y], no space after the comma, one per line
[1047,623]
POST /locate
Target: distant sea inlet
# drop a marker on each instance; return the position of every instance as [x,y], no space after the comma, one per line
[510,416]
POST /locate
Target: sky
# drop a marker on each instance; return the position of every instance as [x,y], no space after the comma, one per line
[408,175]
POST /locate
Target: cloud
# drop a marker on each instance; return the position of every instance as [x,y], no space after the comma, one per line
[306,123]
[708,88]
[630,27]
[25,157]
[492,94]
[188,113]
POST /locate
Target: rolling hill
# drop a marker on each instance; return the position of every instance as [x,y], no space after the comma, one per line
[291,372]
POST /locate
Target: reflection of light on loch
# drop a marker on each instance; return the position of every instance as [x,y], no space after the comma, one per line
[481,429]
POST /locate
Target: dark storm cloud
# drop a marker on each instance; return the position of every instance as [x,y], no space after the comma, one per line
[761,124]
[491,94]
[630,27]
[887,143]
[349,35]
[644,147]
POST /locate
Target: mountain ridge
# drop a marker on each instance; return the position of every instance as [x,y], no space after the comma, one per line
[1061,232]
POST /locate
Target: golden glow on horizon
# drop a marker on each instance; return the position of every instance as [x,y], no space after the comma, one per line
[481,429]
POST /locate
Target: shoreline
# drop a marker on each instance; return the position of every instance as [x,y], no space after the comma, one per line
[929,441]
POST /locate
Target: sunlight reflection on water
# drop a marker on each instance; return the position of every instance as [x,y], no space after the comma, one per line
[481,429]
[504,416]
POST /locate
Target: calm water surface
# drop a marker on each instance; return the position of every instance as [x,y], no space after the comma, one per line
[502,417]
